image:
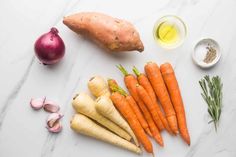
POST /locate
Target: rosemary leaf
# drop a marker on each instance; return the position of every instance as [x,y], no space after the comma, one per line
[212,94]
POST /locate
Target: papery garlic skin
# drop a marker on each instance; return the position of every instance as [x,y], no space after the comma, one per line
[53,118]
[53,122]
[37,103]
[56,128]
[51,106]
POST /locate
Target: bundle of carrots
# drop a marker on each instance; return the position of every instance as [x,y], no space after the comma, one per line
[141,108]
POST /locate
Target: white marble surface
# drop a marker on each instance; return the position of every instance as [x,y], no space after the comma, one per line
[22,131]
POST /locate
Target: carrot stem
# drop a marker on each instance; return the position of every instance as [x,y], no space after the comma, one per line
[115,88]
[136,71]
[122,69]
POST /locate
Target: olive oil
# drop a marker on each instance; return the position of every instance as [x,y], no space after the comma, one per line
[167,33]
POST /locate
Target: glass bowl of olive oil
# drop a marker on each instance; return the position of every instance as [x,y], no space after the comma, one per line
[169,31]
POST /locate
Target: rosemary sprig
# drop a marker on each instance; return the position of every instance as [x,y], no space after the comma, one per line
[212,94]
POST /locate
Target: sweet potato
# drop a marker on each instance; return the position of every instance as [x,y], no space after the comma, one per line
[113,34]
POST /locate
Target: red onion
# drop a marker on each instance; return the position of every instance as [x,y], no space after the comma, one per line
[49,48]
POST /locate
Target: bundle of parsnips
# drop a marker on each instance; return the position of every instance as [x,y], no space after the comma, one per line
[100,119]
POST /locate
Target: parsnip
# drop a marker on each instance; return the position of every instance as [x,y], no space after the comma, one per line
[98,86]
[82,124]
[84,104]
[105,107]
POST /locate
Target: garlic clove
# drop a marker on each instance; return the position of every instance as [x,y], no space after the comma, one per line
[37,103]
[53,119]
[51,106]
[56,128]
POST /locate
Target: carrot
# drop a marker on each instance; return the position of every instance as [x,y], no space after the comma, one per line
[123,106]
[174,91]
[130,82]
[114,87]
[138,113]
[154,75]
[84,125]
[154,130]
[144,82]
[149,103]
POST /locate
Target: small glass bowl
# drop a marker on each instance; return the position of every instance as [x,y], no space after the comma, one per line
[178,24]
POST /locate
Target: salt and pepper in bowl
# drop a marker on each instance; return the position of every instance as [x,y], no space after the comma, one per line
[206,53]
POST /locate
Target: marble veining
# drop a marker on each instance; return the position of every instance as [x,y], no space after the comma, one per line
[14,93]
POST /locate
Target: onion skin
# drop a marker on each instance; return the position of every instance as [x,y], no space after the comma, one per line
[50,48]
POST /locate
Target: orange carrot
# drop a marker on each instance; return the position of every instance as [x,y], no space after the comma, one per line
[115,87]
[154,75]
[174,91]
[130,82]
[144,82]
[154,130]
[149,104]
[138,113]
[123,106]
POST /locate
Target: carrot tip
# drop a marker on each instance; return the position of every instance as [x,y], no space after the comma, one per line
[148,132]
[159,141]
[188,142]
[176,132]
[161,144]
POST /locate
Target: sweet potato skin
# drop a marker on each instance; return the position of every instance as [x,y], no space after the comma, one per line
[111,33]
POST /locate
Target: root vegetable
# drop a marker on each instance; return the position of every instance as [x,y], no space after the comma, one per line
[84,104]
[110,33]
[143,81]
[131,82]
[150,115]
[98,86]
[123,106]
[154,75]
[132,103]
[149,105]
[172,85]
[105,107]
[138,113]
[82,124]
